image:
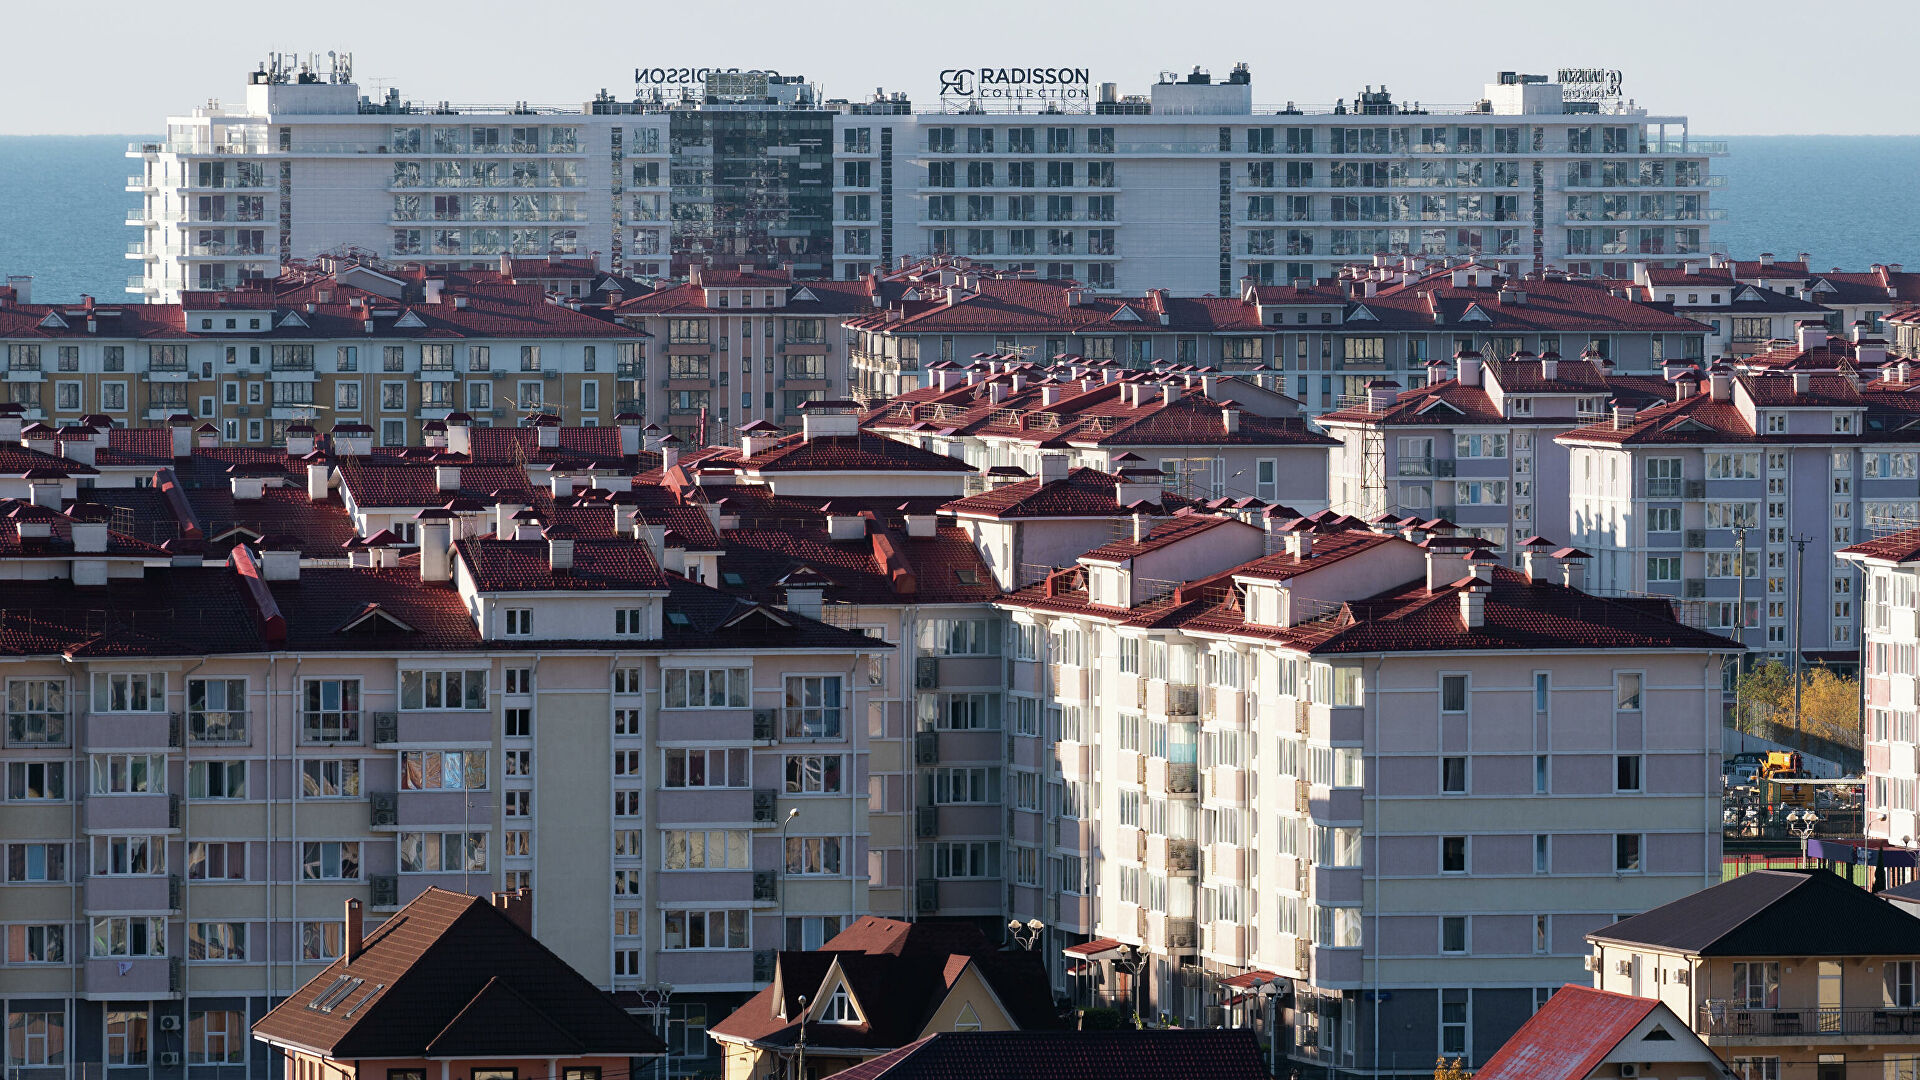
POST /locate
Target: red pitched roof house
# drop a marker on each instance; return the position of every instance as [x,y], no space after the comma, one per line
[454,985]
[1582,1032]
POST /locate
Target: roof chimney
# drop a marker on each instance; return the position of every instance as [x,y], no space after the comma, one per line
[446,477]
[1810,334]
[1473,606]
[1230,421]
[560,548]
[356,931]
[1469,363]
[1053,467]
[1623,416]
[1802,382]
[436,540]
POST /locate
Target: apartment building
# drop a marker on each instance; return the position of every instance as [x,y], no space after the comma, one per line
[1849,296]
[207,757]
[1209,436]
[1189,186]
[382,346]
[1374,766]
[1320,341]
[734,347]
[1742,316]
[1476,450]
[1799,975]
[1795,450]
[1887,567]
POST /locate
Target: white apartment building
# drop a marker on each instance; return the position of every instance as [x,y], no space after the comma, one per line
[1399,780]
[1888,569]
[1188,187]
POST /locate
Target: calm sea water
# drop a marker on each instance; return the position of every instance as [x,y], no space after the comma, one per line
[1848,200]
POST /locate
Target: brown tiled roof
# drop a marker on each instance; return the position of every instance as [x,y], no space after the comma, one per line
[1900,547]
[1071,1055]
[1082,493]
[526,566]
[864,452]
[1569,1037]
[450,975]
[1179,528]
[898,974]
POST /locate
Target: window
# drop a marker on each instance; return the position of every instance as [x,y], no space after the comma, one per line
[36,944]
[1454,1008]
[706,849]
[129,691]
[1453,854]
[627,622]
[1542,850]
[1453,693]
[330,779]
[1453,775]
[330,860]
[36,711]
[966,859]
[129,774]
[129,856]
[217,710]
[968,712]
[961,637]
[216,941]
[839,1008]
[814,774]
[434,852]
[322,940]
[706,767]
[1626,772]
[216,1037]
[36,1039]
[216,861]
[36,781]
[443,770]
[1626,853]
[706,688]
[1626,691]
[126,1037]
[217,780]
[443,689]
[1453,933]
[330,711]
[965,784]
[814,855]
[519,622]
[1663,568]
[124,936]
[687,930]
[1756,985]
[31,863]
[812,707]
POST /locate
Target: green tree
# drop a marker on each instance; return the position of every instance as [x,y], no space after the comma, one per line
[1829,702]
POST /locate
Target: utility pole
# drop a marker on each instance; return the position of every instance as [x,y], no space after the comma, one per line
[1799,615]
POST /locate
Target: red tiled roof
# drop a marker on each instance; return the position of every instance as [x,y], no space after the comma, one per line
[1569,1037]
[1900,547]
[388,482]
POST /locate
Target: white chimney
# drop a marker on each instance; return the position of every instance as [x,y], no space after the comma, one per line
[1719,386]
[921,526]
[1802,382]
[459,434]
[562,486]
[503,523]
[446,477]
[1623,416]
[548,435]
[1549,367]
[299,440]
[318,480]
[846,527]
[89,535]
[247,488]
[1053,467]
[1810,334]
[1141,527]
[1469,368]
[560,548]
[1169,394]
[436,541]
[1444,567]
[1230,421]
[1473,606]
[1300,544]
[280,564]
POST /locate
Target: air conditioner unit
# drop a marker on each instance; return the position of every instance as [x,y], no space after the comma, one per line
[169,1023]
[1623,967]
[926,672]
[1629,1069]
[1683,976]
[1593,963]
[169,1057]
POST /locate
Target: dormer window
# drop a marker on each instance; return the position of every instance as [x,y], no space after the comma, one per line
[1520,406]
[839,1008]
[1693,298]
[1776,423]
[1843,423]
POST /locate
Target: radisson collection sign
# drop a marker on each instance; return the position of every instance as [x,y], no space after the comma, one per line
[690,76]
[1057,85]
[1589,84]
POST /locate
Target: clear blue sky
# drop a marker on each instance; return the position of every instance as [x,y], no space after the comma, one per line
[1754,67]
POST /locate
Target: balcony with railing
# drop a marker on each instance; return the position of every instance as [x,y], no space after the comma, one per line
[1720,1021]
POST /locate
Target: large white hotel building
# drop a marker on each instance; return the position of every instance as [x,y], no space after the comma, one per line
[1188,187]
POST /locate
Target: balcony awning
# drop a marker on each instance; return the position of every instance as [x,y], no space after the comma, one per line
[1097,949]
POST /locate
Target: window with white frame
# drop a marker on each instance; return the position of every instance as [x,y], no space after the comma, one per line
[706,767]
[443,770]
[706,849]
[129,691]
[443,852]
[337,778]
[425,690]
[705,688]
[688,930]
[815,774]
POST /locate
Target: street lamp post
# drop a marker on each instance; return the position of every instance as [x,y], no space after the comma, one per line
[792,812]
[1026,934]
[1131,960]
